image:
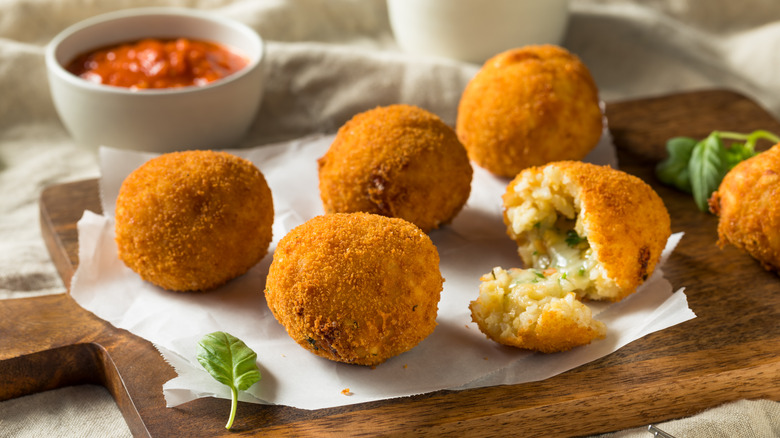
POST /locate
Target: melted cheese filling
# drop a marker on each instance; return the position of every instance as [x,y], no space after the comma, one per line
[512,301]
[544,219]
[562,252]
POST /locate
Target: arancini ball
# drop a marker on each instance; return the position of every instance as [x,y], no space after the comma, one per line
[747,204]
[357,288]
[527,107]
[191,221]
[583,232]
[397,161]
[531,309]
[602,225]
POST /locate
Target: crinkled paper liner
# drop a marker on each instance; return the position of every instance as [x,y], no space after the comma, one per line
[456,356]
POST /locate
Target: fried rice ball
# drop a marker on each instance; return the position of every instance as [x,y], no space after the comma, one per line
[583,232]
[396,161]
[528,107]
[748,206]
[531,309]
[191,221]
[357,288]
[599,224]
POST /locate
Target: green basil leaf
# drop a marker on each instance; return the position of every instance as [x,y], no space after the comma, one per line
[750,139]
[230,362]
[673,170]
[707,168]
[738,152]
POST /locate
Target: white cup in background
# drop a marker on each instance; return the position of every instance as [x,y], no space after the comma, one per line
[475,30]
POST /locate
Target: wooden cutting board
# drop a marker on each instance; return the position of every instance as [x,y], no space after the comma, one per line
[729,352]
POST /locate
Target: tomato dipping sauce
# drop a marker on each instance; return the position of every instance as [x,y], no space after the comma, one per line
[155,63]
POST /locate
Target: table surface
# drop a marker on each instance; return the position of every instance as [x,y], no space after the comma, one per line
[728,352]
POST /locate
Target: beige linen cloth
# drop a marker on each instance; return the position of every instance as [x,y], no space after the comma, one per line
[326,61]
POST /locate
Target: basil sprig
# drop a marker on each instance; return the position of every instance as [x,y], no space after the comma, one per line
[698,166]
[707,168]
[230,362]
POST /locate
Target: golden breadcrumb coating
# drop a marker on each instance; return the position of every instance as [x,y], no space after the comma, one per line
[396,161]
[527,107]
[583,231]
[355,287]
[191,221]
[748,205]
[529,309]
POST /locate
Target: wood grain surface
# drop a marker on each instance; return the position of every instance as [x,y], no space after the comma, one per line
[729,352]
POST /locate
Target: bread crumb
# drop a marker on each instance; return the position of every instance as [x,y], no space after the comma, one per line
[405,366]
[346,392]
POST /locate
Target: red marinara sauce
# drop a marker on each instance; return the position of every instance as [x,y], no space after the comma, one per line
[158,63]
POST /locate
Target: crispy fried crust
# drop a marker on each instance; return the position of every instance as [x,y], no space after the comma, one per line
[554,332]
[548,323]
[748,205]
[396,161]
[190,221]
[626,222]
[527,107]
[355,287]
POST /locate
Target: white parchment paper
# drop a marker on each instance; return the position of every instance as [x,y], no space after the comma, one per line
[456,356]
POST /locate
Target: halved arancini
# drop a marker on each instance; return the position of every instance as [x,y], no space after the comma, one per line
[583,232]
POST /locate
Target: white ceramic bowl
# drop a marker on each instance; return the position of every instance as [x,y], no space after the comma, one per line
[213,116]
[475,30]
